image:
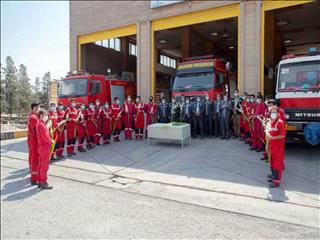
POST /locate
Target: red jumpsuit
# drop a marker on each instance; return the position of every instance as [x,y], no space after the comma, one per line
[258,131]
[116,121]
[251,110]
[139,119]
[91,127]
[97,135]
[60,141]
[246,115]
[33,146]
[106,117]
[151,110]
[81,128]
[44,148]
[266,116]
[128,109]
[276,149]
[71,115]
[54,134]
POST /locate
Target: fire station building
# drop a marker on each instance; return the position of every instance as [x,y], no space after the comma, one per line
[144,41]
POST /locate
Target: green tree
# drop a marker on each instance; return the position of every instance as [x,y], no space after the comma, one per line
[36,90]
[45,83]
[24,89]
[10,87]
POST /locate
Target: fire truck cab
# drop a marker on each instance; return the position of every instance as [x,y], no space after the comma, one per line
[298,91]
[86,88]
[199,76]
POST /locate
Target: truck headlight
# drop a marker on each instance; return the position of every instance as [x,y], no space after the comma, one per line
[287,116]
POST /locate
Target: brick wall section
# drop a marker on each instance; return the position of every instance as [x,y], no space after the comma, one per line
[250,46]
[88,17]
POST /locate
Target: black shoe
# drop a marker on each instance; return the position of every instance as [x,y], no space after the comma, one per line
[227,138]
[69,154]
[259,150]
[63,156]
[222,138]
[252,148]
[81,150]
[263,158]
[272,185]
[33,183]
[269,175]
[270,180]
[99,144]
[74,153]
[44,186]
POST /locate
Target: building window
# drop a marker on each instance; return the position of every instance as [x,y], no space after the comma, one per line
[133,49]
[113,43]
[168,61]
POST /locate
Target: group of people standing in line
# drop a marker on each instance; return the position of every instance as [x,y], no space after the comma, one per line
[261,124]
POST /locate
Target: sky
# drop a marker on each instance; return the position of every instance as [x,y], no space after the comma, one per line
[36,34]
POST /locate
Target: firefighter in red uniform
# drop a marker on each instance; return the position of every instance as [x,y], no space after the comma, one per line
[266,118]
[246,123]
[44,150]
[97,136]
[128,108]
[33,143]
[91,125]
[61,136]
[106,117]
[53,127]
[81,127]
[116,119]
[139,109]
[71,117]
[151,110]
[276,137]
[257,117]
[242,117]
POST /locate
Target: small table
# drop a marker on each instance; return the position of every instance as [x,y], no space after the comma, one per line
[170,131]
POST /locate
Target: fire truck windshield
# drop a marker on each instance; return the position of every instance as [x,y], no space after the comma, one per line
[299,76]
[72,87]
[193,81]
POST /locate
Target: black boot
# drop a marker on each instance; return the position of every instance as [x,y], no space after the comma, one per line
[44,186]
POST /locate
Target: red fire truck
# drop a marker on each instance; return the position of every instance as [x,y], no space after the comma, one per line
[199,76]
[86,88]
[298,87]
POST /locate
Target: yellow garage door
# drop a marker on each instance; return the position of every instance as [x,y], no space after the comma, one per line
[208,15]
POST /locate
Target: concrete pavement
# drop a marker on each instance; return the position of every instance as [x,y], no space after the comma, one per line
[217,174]
[75,209]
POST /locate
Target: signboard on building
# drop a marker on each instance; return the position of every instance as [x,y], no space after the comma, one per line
[157,3]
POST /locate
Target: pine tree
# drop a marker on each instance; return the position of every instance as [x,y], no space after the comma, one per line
[36,89]
[45,83]
[10,87]
[24,89]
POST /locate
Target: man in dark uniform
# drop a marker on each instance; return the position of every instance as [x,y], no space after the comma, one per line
[163,111]
[181,104]
[174,111]
[197,116]
[208,117]
[217,107]
[187,111]
[236,109]
[225,118]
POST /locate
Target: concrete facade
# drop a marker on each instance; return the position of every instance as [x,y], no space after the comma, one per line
[88,17]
